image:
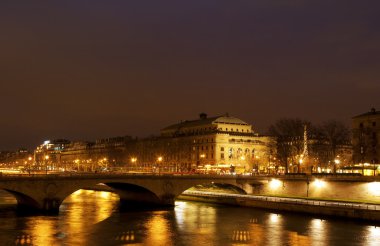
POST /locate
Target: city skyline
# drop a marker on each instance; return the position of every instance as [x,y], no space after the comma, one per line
[88,71]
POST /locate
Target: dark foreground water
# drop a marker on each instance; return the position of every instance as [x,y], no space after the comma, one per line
[93,218]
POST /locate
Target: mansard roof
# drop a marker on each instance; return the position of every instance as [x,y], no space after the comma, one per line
[370,113]
[224,119]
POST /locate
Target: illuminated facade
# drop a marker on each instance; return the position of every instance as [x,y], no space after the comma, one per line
[218,143]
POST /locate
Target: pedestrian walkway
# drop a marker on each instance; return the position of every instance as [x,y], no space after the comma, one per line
[311,202]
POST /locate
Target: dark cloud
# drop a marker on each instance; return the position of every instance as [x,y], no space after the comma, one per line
[89,69]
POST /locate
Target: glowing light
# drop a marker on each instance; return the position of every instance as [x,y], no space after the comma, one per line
[274,184]
[319,183]
[274,218]
[337,161]
[373,234]
[105,194]
[374,188]
[202,156]
[159,158]
[46,157]
[317,224]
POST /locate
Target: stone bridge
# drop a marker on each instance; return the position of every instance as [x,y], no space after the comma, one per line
[47,192]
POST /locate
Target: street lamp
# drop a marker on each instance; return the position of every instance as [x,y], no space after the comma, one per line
[29,160]
[159,160]
[133,160]
[299,165]
[46,163]
[337,162]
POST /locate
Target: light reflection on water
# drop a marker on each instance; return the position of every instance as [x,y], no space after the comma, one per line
[93,218]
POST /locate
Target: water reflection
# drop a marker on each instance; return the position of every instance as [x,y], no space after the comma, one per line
[373,235]
[92,218]
[158,230]
[318,232]
[275,229]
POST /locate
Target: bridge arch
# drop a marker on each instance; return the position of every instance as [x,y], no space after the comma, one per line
[48,192]
[132,195]
[218,187]
[23,201]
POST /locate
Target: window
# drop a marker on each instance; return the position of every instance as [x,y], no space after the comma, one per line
[361,125]
[222,156]
[246,152]
[230,153]
[222,149]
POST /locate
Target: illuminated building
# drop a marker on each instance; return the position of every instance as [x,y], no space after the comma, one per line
[216,143]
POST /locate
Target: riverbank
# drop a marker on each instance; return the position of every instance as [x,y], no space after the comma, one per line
[369,212]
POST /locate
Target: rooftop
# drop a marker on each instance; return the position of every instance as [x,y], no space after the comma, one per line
[204,120]
[370,113]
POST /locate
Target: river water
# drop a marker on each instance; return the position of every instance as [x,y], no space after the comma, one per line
[93,218]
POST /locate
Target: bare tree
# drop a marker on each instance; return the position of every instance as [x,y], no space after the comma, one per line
[289,135]
[331,135]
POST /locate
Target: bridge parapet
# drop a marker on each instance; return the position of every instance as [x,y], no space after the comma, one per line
[47,192]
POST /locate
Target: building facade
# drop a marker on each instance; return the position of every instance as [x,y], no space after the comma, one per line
[217,144]
[365,138]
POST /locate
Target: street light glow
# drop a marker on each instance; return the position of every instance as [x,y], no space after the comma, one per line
[274,184]
[374,188]
[319,183]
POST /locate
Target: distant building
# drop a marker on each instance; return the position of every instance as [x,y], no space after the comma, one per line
[217,143]
[365,138]
[21,158]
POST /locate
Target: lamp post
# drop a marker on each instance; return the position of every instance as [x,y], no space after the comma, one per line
[159,160]
[134,160]
[46,163]
[337,162]
[299,165]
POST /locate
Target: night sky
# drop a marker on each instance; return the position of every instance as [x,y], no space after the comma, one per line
[95,69]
